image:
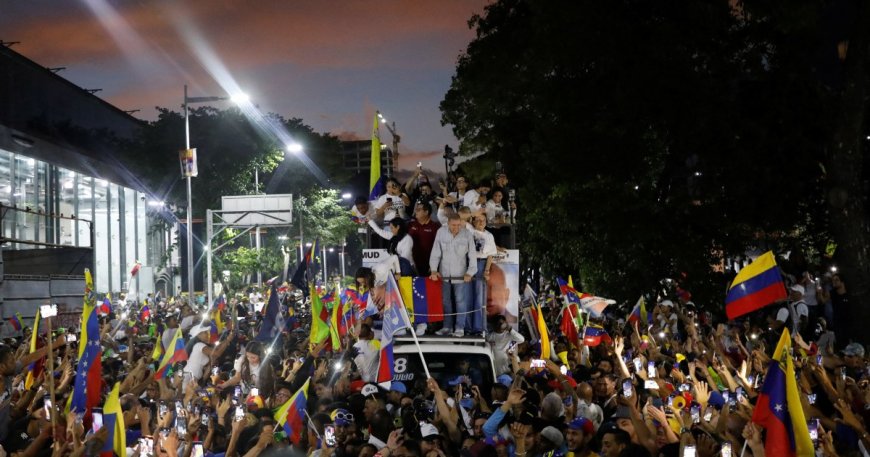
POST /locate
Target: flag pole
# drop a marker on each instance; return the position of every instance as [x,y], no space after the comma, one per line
[417,342]
[50,376]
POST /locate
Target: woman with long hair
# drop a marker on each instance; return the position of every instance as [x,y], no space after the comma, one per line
[399,244]
[253,370]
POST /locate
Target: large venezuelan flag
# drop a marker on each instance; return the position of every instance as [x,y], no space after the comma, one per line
[756,286]
[291,415]
[778,408]
[423,295]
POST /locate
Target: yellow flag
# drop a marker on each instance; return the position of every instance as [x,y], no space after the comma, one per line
[28,382]
[802,441]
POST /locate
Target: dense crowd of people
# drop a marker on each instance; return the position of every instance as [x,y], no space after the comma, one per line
[674,380]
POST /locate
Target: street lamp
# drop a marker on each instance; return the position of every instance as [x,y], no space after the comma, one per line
[189,171]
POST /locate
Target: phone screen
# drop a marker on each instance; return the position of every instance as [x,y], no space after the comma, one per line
[255,391]
[696,414]
[537,363]
[146,445]
[240,413]
[197,449]
[651,369]
[811,399]
[626,388]
[689,451]
[47,407]
[329,435]
[726,449]
[637,364]
[813,426]
[97,414]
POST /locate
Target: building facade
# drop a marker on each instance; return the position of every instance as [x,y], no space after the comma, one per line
[67,200]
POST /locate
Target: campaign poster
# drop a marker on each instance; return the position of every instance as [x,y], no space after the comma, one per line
[503,287]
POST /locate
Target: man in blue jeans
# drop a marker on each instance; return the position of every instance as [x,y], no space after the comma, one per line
[454,259]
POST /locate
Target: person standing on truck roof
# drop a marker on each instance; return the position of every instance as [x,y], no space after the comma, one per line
[455,259]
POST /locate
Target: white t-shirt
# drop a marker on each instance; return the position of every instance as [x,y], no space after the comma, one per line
[368,352]
[196,361]
[405,246]
[484,243]
[397,209]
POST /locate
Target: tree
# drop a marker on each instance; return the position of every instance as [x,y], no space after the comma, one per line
[647,139]
[229,150]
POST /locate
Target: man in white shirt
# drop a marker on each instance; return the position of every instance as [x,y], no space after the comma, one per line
[795,313]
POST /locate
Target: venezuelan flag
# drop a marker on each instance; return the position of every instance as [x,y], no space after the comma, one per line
[90,366]
[376,184]
[33,367]
[291,414]
[113,420]
[15,321]
[756,286]
[424,296]
[174,353]
[778,408]
[541,326]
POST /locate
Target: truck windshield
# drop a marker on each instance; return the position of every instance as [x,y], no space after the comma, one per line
[447,368]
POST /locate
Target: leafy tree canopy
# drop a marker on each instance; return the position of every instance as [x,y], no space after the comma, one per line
[648,139]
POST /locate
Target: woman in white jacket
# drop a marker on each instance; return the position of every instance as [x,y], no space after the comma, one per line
[400,243]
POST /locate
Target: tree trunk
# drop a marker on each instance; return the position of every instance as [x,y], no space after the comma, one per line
[849,222]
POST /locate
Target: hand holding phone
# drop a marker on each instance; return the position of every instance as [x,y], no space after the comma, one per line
[626,388]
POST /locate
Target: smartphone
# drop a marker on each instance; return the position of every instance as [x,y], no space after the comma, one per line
[626,388]
[146,445]
[696,413]
[741,396]
[813,426]
[511,346]
[237,393]
[97,414]
[651,370]
[179,409]
[708,414]
[563,369]
[47,407]
[726,449]
[205,420]
[568,400]
[255,392]
[811,398]
[637,364]
[751,379]
[197,449]
[329,435]
[70,338]
[390,199]
[726,395]
[690,451]
[685,387]
[162,409]
[215,371]
[843,373]
[538,363]
[240,413]
[819,359]
[181,427]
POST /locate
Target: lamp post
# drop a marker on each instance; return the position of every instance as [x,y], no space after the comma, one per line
[190,172]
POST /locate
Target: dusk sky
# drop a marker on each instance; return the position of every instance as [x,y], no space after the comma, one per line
[330,63]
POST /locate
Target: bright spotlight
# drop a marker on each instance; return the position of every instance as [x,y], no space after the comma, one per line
[240,98]
[383,120]
[346,195]
[295,148]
